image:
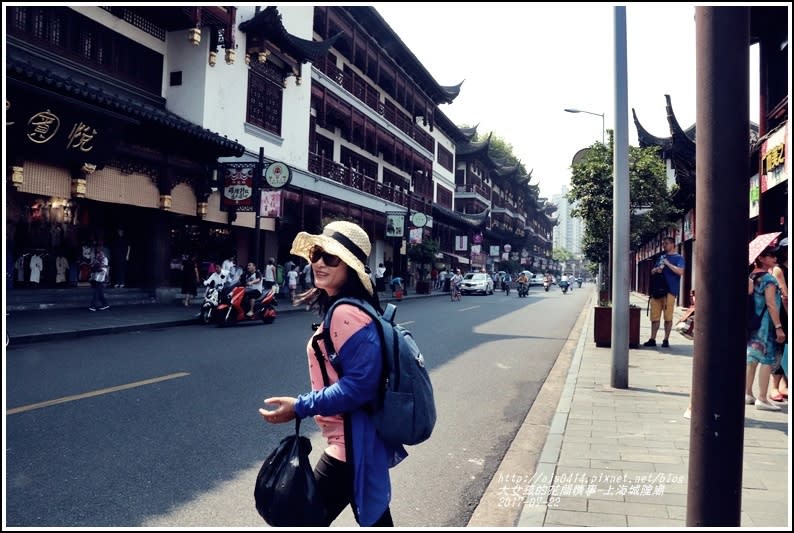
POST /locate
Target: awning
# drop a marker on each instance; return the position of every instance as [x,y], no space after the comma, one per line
[460,258]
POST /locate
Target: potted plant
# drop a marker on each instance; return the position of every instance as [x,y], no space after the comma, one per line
[602,325]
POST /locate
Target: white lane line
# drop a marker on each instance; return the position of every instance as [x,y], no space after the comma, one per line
[468,308]
[406,323]
[90,394]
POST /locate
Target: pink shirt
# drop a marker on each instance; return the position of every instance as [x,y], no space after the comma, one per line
[346,321]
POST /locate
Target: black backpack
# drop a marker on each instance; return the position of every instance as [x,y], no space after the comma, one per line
[658,286]
[753,318]
[404,411]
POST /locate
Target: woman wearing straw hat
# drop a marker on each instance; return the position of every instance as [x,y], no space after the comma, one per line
[346,382]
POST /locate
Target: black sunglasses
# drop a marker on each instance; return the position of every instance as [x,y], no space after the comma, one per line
[317,253]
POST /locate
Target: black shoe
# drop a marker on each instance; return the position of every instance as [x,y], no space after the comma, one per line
[649,343]
[665,344]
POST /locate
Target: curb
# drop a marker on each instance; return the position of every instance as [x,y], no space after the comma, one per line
[77,333]
[106,330]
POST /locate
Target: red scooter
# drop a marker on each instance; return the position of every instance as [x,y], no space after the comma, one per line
[235,307]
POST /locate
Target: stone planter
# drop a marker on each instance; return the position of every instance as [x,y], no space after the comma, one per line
[602,326]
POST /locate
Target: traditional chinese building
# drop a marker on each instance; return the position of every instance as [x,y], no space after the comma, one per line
[768,168]
[515,221]
[165,121]
[93,145]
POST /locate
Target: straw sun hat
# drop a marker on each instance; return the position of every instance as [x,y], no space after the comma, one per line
[345,240]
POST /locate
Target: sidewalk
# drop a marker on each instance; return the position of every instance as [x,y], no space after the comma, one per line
[49,324]
[619,458]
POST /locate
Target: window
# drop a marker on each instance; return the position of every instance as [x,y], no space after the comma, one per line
[444,158]
[265,94]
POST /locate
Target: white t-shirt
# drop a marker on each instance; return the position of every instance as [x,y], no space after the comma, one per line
[270,273]
[292,279]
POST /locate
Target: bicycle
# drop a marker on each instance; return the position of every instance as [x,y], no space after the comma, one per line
[455,292]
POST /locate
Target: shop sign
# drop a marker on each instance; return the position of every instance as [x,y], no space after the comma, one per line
[395,224]
[775,168]
[51,128]
[277,175]
[755,196]
[238,186]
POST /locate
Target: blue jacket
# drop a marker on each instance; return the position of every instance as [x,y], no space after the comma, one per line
[359,365]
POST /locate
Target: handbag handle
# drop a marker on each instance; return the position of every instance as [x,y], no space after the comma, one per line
[297,425]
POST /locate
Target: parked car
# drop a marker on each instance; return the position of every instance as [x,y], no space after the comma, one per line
[477,282]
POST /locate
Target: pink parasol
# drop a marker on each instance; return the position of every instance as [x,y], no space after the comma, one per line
[758,244]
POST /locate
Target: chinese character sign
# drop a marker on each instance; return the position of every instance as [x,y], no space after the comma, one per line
[238,187]
[270,206]
[50,128]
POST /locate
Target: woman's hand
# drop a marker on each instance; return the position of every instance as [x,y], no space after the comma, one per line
[284,412]
[780,336]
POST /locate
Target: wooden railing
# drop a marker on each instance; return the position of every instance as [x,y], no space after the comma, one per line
[370,96]
[358,180]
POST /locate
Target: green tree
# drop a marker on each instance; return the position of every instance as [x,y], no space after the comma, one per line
[424,253]
[650,206]
[561,254]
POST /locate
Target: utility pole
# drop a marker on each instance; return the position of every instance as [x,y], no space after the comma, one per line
[716,437]
[619,253]
[259,171]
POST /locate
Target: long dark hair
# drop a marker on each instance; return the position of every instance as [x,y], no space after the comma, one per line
[318,300]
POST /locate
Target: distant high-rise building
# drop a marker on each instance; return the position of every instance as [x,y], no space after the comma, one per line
[568,232]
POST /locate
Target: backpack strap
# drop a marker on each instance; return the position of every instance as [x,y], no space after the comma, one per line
[387,348]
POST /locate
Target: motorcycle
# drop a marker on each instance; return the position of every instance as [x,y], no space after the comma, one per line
[523,290]
[564,286]
[235,307]
[546,285]
[210,304]
[506,287]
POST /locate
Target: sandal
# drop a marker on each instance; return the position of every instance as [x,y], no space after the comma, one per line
[777,398]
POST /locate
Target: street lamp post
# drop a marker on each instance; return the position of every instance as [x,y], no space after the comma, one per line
[603,129]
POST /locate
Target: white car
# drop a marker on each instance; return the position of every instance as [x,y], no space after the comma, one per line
[477,282]
[537,279]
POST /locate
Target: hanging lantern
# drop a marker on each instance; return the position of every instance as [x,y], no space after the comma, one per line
[17,177]
[230,53]
[194,36]
[247,59]
[201,209]
[78,187]
[165,202]
[262,56]
[213,58]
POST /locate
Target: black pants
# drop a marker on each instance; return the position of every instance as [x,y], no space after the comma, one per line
[335,484]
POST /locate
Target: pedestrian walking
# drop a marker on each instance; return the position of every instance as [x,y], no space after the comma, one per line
[98,277]
[354,467]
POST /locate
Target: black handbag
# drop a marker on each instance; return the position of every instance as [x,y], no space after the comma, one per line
[286,492]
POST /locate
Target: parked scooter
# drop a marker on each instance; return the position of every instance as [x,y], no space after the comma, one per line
[210,304]
[235,308]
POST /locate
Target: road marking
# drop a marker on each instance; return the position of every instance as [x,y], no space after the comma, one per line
[406,323]
[468,308]
[98,392]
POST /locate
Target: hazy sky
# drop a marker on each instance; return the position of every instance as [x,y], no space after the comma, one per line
[523,64]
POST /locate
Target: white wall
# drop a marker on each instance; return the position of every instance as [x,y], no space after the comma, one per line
[227,91]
